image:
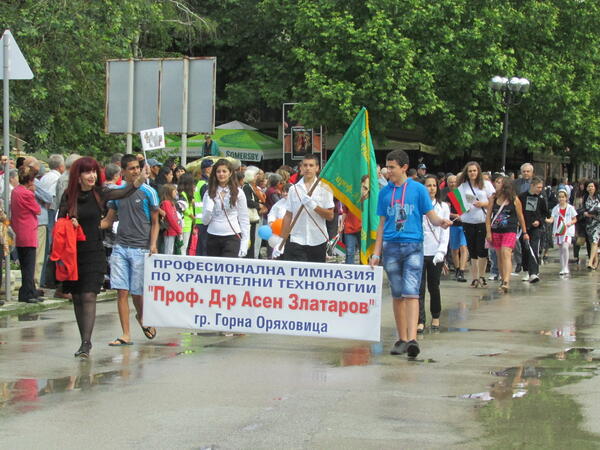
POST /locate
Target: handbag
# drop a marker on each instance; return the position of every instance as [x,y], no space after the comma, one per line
[253,215]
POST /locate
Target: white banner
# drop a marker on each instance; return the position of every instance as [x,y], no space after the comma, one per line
[153,139]
[263,296]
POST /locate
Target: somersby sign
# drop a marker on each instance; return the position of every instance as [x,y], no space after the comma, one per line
[263,296]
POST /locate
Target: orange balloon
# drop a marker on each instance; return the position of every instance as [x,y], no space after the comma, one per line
[276,226]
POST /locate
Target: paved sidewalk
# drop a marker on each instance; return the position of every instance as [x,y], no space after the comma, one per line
[17,308]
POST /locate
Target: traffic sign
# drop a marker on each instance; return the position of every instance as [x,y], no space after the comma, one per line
[18,69]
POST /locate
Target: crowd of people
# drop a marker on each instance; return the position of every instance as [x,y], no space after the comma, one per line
[80,227]
[508,227]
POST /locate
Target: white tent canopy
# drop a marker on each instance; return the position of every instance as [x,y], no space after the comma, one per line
[236,125]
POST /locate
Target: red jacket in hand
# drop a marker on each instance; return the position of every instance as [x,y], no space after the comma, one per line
[64,249]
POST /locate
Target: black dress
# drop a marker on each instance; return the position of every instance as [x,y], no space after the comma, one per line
[91,258]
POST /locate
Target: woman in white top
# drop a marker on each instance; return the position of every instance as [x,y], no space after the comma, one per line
[225,212]
[564,217]
[475,192]
[435,246]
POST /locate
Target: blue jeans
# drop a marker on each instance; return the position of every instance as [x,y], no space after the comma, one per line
[493,262]
[352,241]
[127,269]
[403,263]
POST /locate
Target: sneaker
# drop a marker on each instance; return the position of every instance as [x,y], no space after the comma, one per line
[518,268]
[412,349]
[534,279]
[461,276]
[493,277]
[525,278]
[399,348]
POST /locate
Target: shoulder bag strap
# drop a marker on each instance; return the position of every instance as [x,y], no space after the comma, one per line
[309,215]
[227,216]
[498,213]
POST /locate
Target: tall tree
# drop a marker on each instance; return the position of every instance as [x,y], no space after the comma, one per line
[66,43]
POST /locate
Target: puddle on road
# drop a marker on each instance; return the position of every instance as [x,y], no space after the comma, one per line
[27,394]
[8,321]
[523,410]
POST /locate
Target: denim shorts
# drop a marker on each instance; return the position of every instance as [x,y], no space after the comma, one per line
[457,238]
[127,269]
[403,263]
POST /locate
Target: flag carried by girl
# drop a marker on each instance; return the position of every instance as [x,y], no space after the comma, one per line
[458,201]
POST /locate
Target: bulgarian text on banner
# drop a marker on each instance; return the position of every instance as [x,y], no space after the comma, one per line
[263,296]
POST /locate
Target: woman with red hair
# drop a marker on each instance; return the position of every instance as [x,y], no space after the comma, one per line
[84,203]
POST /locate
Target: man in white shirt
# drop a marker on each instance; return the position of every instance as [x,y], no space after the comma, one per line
[56,164]
[308,237]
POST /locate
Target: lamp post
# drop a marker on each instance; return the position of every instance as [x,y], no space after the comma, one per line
[509,90]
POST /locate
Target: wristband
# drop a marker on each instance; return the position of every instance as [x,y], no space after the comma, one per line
[376,256]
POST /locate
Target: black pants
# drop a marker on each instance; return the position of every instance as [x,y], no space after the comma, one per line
[202,245]
[431,277]
[308,253]
[224,246]
[27,290]
[475,235]
[530,256]
[250,253]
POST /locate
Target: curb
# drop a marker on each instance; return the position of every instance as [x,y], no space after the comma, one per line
[16,308]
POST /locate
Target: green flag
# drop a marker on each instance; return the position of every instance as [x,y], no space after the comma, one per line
[351,167]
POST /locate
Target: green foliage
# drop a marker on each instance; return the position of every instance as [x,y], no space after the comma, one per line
[66,44]
[415,64]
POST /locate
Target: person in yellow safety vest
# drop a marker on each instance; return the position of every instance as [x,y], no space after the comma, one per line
[201,186]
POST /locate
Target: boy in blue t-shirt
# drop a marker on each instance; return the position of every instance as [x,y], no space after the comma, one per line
[401,206]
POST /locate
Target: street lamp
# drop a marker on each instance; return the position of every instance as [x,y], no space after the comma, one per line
[510,90]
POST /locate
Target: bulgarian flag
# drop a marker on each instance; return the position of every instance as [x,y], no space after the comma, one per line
[340,248]
[455,197]
[352,165]
[561,228]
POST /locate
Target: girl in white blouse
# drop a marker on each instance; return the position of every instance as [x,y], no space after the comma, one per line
[564,217]
[225,211]
[476,193]
[435,246]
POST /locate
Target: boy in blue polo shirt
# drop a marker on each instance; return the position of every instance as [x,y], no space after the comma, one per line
[401,206]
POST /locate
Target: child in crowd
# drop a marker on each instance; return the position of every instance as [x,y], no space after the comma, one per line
[564,217]
[168,197]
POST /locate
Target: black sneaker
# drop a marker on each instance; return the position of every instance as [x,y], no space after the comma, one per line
[461,276]
[412,349]
[398,348]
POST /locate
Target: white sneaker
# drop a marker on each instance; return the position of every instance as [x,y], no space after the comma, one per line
[493,278]
[526,277]
[534,279]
